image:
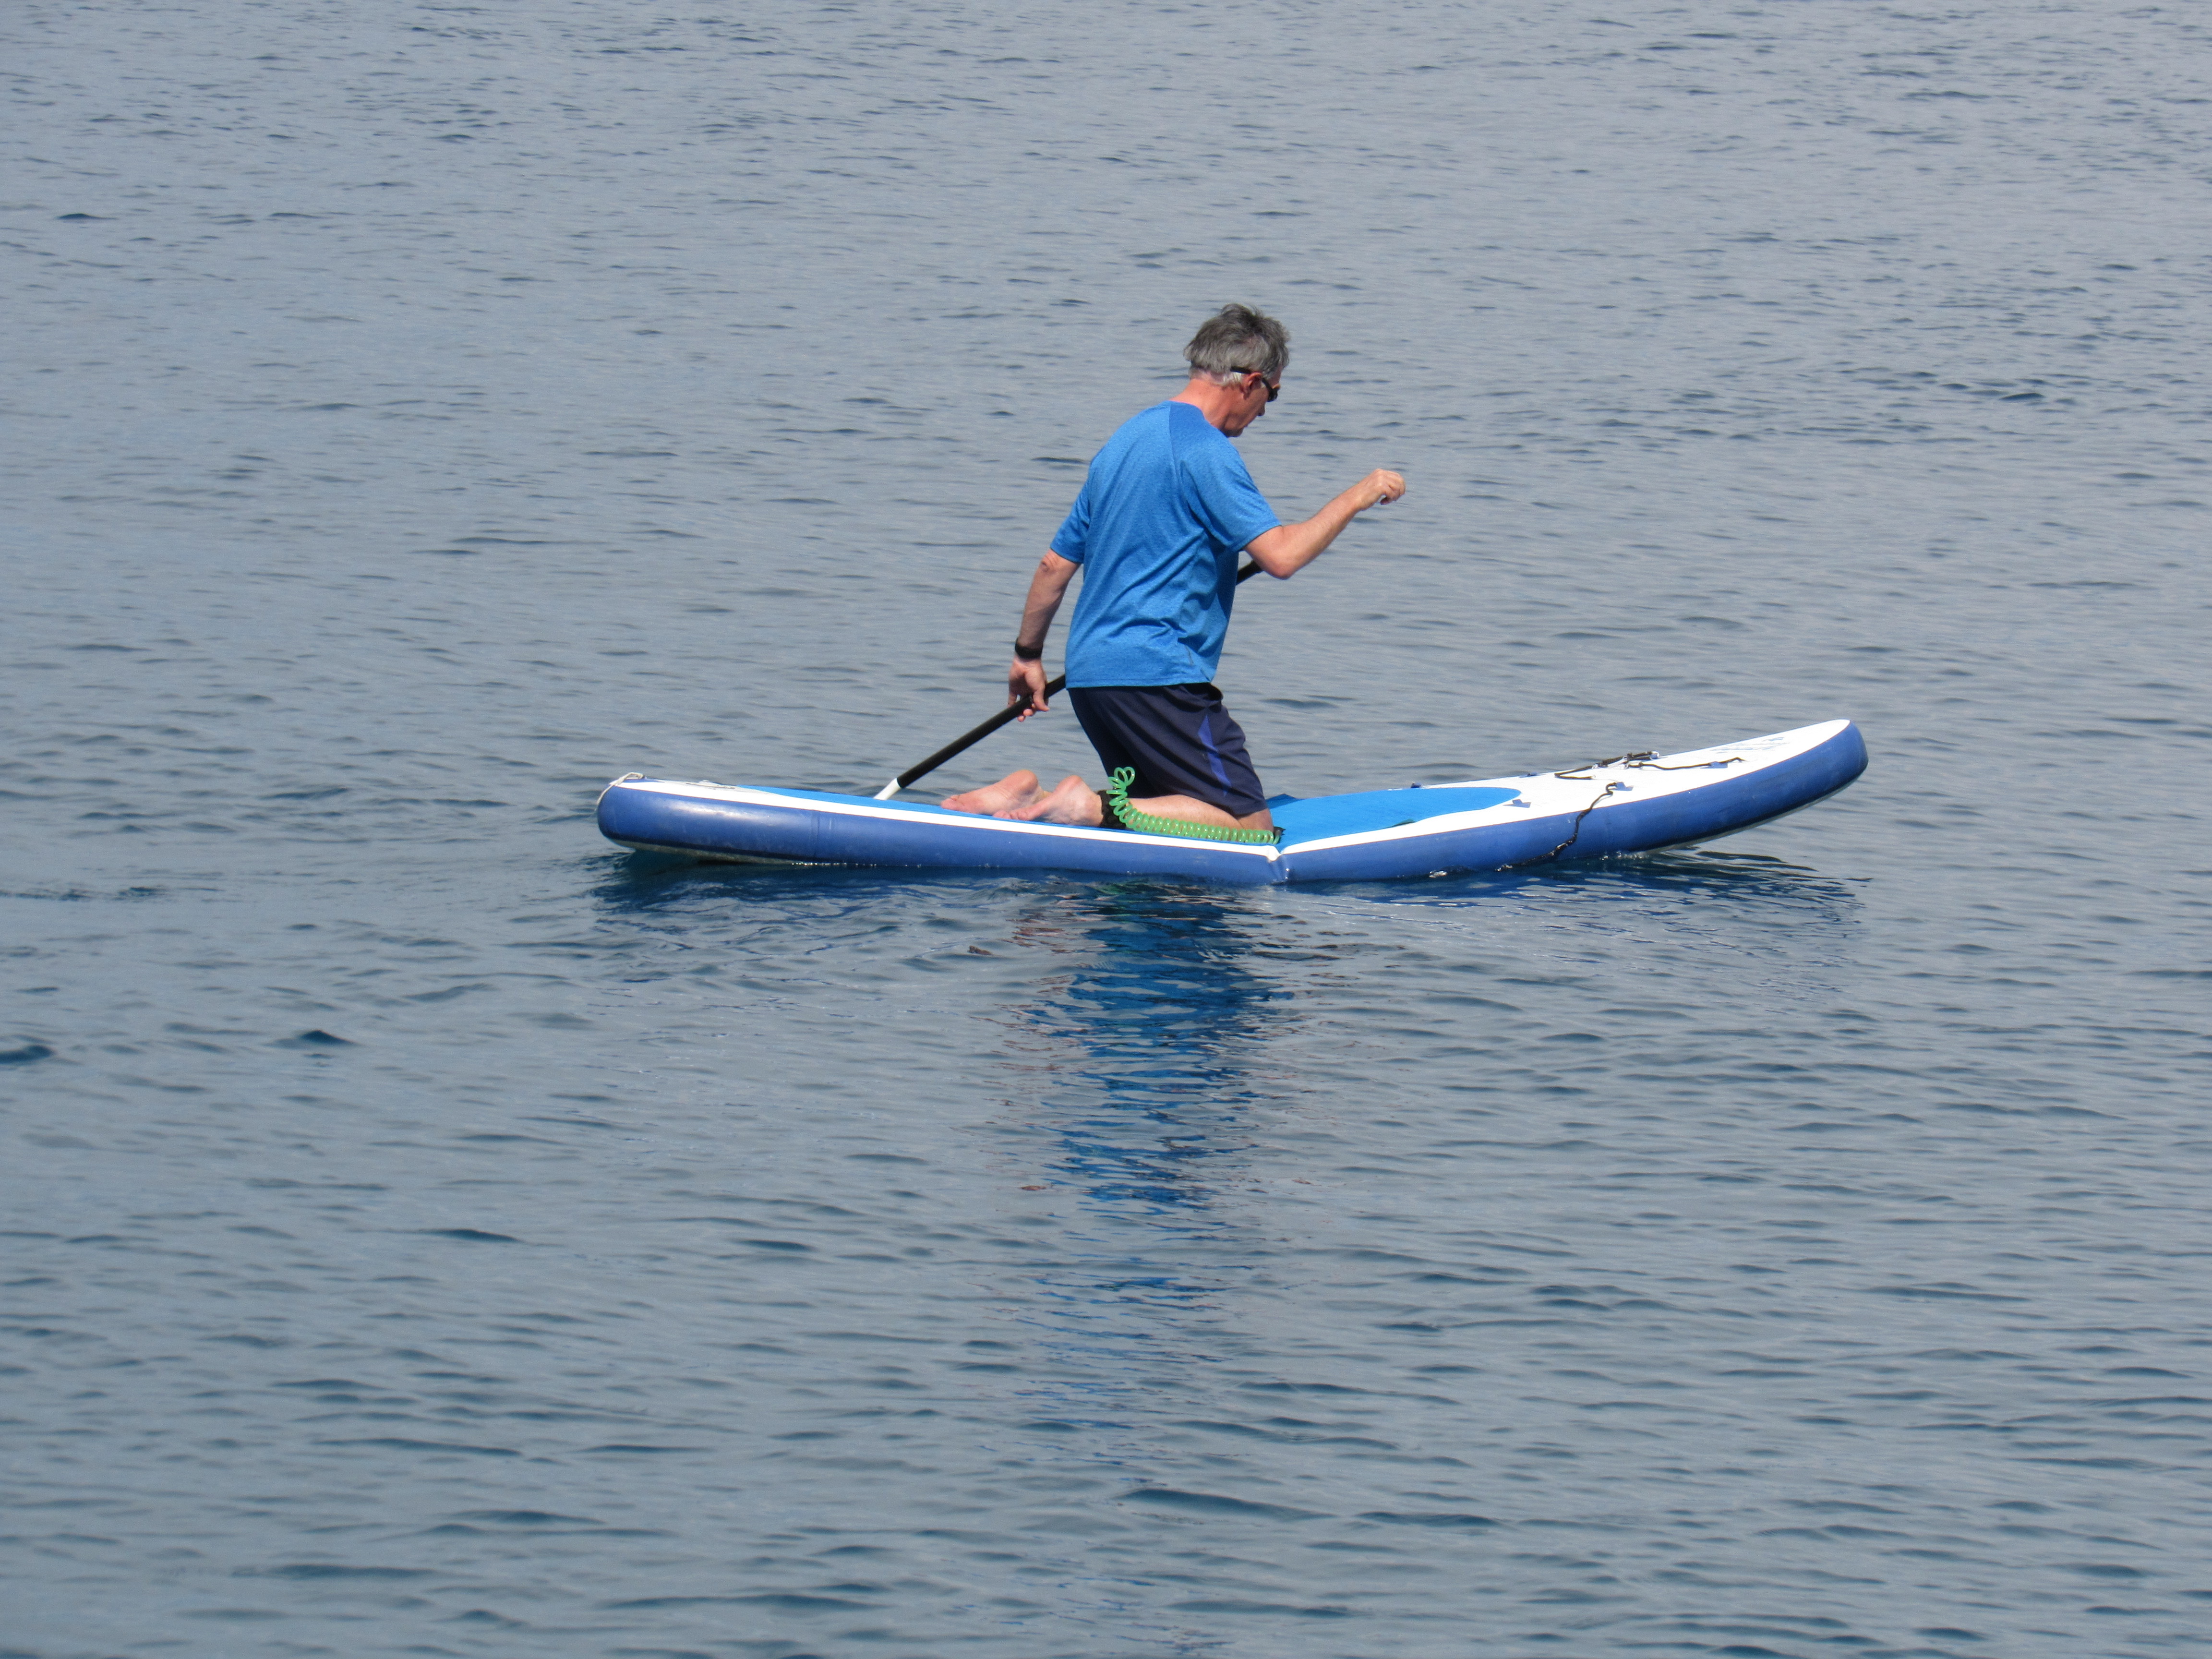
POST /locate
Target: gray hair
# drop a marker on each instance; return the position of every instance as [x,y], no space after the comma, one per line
[1238,340]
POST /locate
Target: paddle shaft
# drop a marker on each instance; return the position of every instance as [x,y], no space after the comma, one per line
[1013,711]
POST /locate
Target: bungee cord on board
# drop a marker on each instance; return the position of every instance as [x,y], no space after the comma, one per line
[1578,829]
[1646,760]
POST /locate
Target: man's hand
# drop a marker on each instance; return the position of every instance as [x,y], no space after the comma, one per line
[1025,685]
[1379,487]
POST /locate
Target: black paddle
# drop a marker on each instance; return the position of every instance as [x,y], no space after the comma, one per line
[1013,711]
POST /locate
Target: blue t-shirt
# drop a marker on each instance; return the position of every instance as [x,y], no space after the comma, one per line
[1162,518]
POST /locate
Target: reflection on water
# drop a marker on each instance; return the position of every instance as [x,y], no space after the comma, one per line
[1146,1043]
[640,883]
[1134,1071]
[1741,883]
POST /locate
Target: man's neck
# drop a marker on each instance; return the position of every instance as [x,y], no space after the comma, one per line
[1213,401]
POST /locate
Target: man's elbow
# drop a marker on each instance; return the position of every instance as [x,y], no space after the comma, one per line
[1273,554]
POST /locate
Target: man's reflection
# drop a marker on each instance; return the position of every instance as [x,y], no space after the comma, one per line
[1145,1043]
[1134,1071]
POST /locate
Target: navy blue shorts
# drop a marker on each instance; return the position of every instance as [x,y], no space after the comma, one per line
[1180,739]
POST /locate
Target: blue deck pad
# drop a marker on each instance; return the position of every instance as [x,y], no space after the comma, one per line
[1326,815]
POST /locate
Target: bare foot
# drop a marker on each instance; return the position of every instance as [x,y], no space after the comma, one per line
[997,800]
[1068,802]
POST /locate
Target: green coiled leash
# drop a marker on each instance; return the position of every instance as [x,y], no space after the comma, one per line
[1117,799]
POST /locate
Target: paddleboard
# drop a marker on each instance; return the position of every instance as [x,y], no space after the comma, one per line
[1634,803]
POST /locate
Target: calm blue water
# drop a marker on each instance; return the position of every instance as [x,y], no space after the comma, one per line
[429,1231]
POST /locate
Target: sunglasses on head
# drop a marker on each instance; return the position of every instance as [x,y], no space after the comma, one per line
[1274,387]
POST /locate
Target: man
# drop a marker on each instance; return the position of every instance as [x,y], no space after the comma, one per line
[1156,530]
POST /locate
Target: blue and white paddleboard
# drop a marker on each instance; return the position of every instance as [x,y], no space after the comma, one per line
[1632,803]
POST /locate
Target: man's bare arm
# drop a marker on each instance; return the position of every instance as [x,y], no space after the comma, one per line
[1026,681]
[1289,548]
